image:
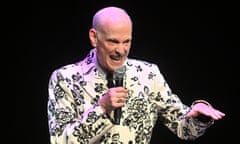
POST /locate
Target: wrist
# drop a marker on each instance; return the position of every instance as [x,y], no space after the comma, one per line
[201,101]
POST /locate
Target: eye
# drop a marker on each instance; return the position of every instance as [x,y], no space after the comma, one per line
[127,42]
[114,41]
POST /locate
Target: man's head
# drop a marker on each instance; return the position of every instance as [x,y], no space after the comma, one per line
[111,34]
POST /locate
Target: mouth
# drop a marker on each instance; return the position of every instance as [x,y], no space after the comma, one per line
[116,57]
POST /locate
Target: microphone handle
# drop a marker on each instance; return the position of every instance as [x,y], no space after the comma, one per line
[118,111]
[117,115]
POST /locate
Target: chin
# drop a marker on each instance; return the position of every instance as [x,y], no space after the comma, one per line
[115,65]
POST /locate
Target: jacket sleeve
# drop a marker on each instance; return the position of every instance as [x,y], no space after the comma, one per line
[70,119]
[172,112]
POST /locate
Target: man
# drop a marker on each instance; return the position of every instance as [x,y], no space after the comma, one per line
[82,107]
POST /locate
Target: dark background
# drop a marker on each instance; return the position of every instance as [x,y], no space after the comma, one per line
[192,43]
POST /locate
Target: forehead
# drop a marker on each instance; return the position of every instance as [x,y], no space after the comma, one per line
[117,34]
[116,29]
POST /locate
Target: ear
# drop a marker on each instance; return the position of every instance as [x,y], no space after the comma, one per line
[93,37]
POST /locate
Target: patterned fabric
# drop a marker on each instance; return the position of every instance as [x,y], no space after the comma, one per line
[76,118]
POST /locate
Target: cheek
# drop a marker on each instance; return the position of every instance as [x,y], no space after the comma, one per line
[102,56]
[127,50]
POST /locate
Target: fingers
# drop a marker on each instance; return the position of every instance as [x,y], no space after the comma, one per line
[121,100]
[118,97]
[216,114]
[118,93]
[114,98]
[210,111]
[201,108]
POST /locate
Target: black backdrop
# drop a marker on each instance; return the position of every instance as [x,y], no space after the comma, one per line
[190,42]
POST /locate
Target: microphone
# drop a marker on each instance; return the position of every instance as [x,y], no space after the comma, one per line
[118,76]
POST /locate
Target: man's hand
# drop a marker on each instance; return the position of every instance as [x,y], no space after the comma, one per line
[114,98]
[206,110]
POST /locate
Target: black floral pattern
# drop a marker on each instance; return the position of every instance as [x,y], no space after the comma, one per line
[75,116]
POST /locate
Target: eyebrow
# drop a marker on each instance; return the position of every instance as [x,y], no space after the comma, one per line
[117,41]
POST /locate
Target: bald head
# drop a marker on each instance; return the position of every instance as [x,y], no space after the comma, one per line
[110,16]
[111,35]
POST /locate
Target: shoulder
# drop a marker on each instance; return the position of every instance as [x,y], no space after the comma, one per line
[140,63]
[88,61]
[69,67]
[67,70]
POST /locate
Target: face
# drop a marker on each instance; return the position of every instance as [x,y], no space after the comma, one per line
[113,45]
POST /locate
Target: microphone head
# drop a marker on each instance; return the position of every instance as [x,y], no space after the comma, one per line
[119,73]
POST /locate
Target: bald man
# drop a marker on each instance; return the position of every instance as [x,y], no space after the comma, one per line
[82,105]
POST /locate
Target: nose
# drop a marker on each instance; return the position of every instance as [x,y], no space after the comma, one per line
[121,50]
